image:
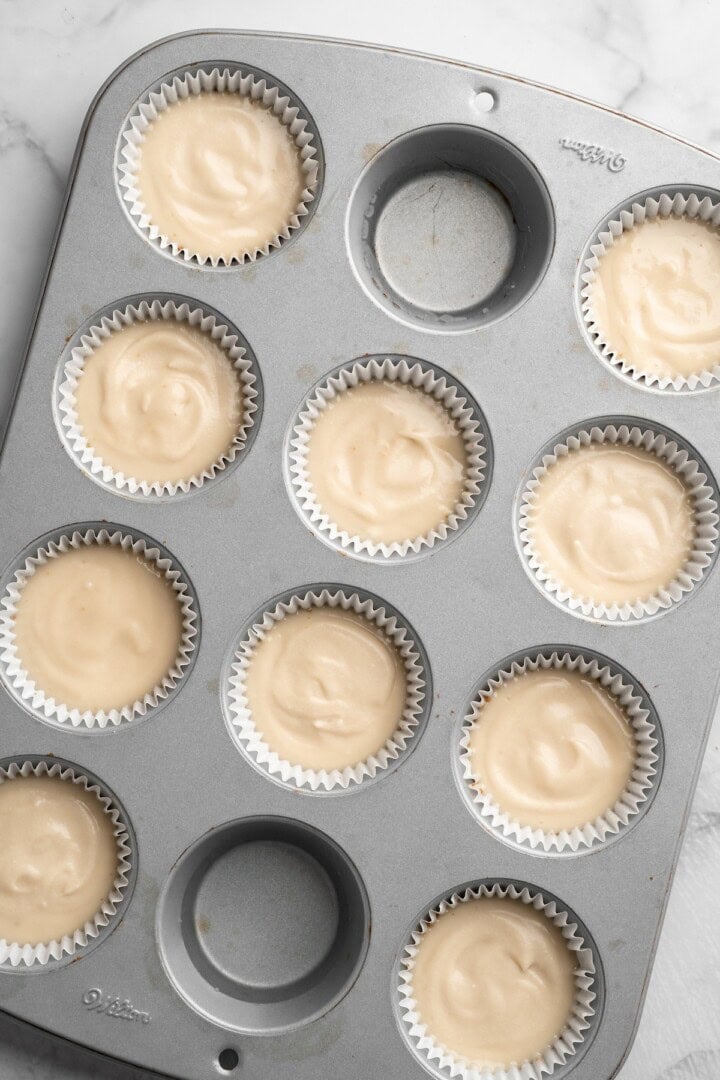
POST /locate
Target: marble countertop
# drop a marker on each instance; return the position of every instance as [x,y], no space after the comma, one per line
[656,59]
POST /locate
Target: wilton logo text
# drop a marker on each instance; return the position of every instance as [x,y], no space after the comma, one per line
[596,155]
[96,1001]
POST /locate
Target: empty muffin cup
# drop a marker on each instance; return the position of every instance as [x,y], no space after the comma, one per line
[218,165]
[67,863]
[450,227]
[649,290]
[97,627]
[285,954]
[388,457]
[617,520]
[569,756]
[157,398]
[327,689]
[521,1026]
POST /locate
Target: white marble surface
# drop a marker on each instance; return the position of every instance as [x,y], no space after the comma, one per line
[654,58]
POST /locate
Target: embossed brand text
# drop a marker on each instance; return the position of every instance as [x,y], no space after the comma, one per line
[596,155]
[96,1001]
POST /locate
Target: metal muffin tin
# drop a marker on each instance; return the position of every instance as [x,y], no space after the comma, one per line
[320,873]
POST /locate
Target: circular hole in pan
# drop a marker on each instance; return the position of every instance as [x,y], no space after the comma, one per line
[263,925]
[450,228]
[227,1060]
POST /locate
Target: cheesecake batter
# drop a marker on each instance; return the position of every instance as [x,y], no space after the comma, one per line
[159,401]
[219,175]
[612,524]
[493,982]
[386,462]
[97,627]
[656,297]
[58,858]
[326,688]
[552,748]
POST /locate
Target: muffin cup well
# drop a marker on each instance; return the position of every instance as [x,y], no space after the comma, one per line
[695,206]
[441,1061]
[440,386]
[16,678]
[152,310]
[641,780]
[17,956]
[249,739]
[214,78]
[702,492]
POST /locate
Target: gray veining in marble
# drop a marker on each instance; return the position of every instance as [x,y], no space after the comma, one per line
[656,59]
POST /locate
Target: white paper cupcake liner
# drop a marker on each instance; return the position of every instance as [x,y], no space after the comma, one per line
[210,78]
[464,414]
[668,204]
[33,697]
[249,738]
[17,955]
[702,493]
[146,311]
[640,782]
[441,1060]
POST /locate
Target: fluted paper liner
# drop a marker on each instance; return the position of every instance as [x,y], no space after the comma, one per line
[668,204]
[18,955]
[250,739]
[211,78]
[439,1058]
[413,373]
[702,494]
[145,311]
[640,782]
[32,696]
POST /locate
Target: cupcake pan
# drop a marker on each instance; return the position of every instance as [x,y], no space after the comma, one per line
[332,885]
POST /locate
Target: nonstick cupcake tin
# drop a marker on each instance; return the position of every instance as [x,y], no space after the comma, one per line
[263,933]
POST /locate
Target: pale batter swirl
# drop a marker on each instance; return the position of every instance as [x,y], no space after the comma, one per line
[552,748]
[656,297]
[493,981]
[58,858]
[386,463]
[326,688]
[219,175]
[97,627]
[612,524]
[159,401]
